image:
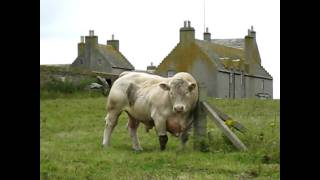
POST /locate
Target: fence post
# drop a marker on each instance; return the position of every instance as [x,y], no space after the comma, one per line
[200,122]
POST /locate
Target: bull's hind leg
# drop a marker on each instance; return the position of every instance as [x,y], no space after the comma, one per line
[133,125]
[111,122]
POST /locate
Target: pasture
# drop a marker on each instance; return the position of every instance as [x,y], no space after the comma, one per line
[71,130]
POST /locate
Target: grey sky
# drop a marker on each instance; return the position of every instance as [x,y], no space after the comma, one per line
[149,29]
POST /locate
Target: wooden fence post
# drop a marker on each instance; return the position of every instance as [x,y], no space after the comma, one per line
[225,129]
[200,122]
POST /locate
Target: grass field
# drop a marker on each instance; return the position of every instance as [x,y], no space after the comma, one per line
[71,132]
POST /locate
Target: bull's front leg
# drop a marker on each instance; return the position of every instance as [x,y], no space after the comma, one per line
[184,136]
[160,126]
[183,139]
[163,139]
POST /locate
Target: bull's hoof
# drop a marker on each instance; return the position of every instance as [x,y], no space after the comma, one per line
[104,145]
[181,149]
[163,142]
[138,149]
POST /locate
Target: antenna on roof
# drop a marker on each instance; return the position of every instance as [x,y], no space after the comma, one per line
[204,15]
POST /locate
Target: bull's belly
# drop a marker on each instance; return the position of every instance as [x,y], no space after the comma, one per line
[142,117]
[139,112]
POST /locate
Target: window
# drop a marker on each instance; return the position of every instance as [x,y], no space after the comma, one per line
[171,73]
[99,61]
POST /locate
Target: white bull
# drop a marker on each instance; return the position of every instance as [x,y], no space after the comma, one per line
[164,103]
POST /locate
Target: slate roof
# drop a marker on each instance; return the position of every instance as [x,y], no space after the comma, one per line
[218,52]
[114,57]
[228,49]
[234,43]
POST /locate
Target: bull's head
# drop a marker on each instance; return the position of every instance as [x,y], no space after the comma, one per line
[181,94]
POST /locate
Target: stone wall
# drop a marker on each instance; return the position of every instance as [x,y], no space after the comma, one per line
[75,76]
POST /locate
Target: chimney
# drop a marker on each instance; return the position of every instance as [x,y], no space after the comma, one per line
[81,46]
[187,33]
[114,43]
[251,32]
[151,67]
[91,40]
[207,35]
[251,49]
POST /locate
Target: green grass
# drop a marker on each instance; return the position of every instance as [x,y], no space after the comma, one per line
[71,132]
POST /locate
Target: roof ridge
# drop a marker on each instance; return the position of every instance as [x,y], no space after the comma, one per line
[237,43]
[168,54]
[125,59]
[265,70]
[120,59]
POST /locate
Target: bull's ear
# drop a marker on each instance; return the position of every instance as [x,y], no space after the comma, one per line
[165,86]
[192,86]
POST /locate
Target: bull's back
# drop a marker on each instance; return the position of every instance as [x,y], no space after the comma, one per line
[141,79]
[130,86]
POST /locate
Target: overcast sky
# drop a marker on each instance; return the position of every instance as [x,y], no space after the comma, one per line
[149,29]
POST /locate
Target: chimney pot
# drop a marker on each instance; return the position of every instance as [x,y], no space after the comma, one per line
[82,39]
[91,33]
[112,36]
[207,29]
[251,28]
[188,23]
[185,24]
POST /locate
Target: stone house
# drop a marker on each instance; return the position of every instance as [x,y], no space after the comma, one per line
[101,58]
[228,68]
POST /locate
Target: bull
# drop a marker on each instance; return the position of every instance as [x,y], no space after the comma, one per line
[164,103]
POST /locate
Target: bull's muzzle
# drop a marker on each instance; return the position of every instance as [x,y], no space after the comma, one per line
[178,108]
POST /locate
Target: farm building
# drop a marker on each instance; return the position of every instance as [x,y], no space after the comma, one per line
[228,68]
[102,58]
